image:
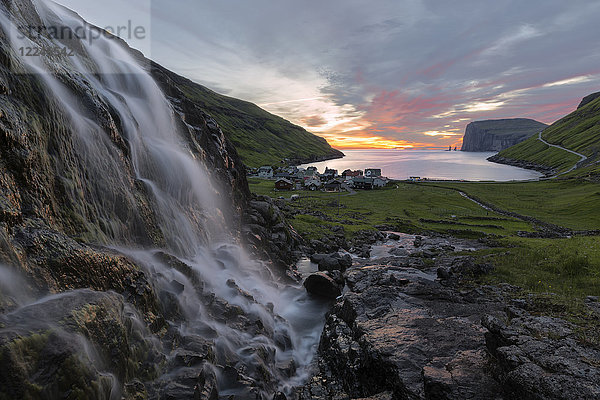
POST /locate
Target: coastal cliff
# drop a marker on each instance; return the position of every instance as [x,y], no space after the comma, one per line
[575,132]
[497,135]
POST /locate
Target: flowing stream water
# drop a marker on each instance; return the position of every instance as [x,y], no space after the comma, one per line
[187,204]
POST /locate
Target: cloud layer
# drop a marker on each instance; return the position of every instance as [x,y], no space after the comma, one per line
[391,73]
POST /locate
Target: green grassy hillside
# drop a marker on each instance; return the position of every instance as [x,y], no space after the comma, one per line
[578,131]
[533,150]
[260,137]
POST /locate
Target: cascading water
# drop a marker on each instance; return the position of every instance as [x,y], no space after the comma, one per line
[206,276]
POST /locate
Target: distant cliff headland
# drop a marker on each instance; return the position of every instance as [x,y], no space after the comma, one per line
[500,134]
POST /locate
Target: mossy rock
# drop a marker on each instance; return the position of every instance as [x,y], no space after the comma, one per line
[76,345]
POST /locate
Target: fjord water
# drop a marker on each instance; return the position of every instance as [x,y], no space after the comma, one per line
[433,164]
[189,210]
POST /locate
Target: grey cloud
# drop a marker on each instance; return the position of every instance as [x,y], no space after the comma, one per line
[450,53]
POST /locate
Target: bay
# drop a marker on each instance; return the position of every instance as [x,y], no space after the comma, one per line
[431,164]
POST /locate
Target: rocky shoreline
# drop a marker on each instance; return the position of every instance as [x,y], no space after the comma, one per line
[547,171]
[404,329]
[333,156]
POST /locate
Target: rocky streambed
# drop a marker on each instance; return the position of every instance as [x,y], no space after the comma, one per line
[409,323]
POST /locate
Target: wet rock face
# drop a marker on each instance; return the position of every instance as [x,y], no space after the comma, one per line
[268,234]
[207,138]
[82,344]
[398,334]
[61,205]
[45,171]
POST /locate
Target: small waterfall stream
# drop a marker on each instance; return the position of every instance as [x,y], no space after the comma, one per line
[202,270]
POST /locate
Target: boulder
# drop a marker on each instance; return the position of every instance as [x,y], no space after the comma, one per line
[329,263]
[393,236]
[321,284]
[399,252]
[332,261]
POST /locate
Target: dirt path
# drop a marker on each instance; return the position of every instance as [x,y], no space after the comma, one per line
[583,158]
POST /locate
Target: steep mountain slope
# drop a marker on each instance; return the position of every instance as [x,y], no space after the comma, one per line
[499,134]
[260,137]
[578,131]
[121,205]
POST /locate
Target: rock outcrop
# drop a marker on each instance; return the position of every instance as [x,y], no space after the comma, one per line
[41,348]
[497,135]
[588,99]
[400,332]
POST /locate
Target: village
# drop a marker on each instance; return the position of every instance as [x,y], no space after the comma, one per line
[298,178]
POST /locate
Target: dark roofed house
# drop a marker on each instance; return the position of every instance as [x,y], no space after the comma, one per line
[333,185]
[330,172]
[372,172]
[265,172]
[361,182]
[284,184]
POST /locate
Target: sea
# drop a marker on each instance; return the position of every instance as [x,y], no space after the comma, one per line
[430,164]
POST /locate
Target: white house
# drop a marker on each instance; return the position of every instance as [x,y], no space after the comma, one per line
[265,172]
[380,182]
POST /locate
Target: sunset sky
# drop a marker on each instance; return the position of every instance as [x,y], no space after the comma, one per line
[386,73]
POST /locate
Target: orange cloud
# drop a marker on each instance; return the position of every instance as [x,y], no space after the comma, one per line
[342,141]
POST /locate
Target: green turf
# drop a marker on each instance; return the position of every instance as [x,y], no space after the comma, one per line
[578,131]
[574,204]
[533,150]
[260,137]
[416,208]
[567,267]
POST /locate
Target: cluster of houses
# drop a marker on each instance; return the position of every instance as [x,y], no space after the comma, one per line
[295,178]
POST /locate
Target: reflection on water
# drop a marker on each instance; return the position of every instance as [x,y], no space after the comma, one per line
[433,164]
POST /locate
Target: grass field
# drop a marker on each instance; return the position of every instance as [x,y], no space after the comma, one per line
[574,204]
[410,207]
[569,267]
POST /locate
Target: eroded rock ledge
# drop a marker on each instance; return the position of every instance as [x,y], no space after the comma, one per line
[402,333]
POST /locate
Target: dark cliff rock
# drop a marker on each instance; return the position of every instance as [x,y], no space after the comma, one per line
[588,99]
[397,332]
[539,358]
[41,348]
[497,135]
[268,234]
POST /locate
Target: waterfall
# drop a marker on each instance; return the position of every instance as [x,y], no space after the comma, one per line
[198,244]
